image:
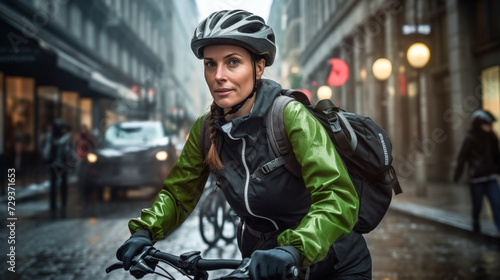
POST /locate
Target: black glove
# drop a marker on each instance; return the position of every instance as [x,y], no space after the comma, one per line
[272,264]
[133,246]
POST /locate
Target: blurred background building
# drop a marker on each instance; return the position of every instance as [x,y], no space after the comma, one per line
[92,63]
[422,98]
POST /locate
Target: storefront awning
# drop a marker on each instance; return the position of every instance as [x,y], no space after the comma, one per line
[102,84]
[70,60]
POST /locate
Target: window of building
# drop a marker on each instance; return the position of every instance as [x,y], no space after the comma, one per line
[113,51]
[103,44]
[20,114]
[89,30]
[76,21]
[124,61]
[48,106]
[490,79]
[133,16]
[86,112]
[69,109]
[487,22]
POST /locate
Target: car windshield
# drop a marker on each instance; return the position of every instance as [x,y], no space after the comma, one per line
[133,133]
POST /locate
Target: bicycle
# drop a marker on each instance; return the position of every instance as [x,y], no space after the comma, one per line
[217,219]
[191,264]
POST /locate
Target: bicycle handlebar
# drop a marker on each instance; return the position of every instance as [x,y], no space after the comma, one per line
[191,263]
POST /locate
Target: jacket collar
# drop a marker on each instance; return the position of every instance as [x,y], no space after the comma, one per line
[249,125]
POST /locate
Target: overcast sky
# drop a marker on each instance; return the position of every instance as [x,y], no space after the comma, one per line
[259,7]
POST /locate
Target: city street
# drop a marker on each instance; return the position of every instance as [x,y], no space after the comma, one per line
[83,244]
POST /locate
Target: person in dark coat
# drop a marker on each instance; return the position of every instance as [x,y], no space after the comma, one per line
[62,163]
[480,150]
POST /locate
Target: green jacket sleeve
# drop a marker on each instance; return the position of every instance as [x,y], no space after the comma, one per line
[181,191]
[334,200]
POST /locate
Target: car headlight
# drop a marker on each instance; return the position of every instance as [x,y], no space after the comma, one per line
[91,157]
[161,156]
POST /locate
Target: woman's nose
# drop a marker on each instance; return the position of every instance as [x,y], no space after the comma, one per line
[220,74]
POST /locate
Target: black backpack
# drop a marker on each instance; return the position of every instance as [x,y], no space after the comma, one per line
[364,147]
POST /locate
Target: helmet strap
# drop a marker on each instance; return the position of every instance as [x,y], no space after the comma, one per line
[238,106]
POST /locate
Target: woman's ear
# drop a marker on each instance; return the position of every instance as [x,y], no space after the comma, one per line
[259,67]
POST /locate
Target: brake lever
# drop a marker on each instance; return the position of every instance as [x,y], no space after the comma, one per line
[140,266]
[239,273]
[114,266]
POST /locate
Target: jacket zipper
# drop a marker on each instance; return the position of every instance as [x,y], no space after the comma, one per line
[247,181]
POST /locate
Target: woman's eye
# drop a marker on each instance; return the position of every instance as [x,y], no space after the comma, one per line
[234,62]
[209,64]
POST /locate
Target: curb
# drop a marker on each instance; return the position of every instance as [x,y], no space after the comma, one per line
[448,218]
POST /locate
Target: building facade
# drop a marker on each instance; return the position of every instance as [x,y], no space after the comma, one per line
[425,110]
[91,63]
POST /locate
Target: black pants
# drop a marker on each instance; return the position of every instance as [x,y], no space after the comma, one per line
[348,258]
[56,188]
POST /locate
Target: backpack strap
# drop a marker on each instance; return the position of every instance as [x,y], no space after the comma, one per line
[339,125]
[275,127]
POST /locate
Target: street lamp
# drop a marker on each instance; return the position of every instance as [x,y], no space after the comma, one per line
[324,92]
[382,69]
[418,55]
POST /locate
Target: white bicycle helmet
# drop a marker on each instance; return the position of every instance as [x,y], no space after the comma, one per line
[235,27]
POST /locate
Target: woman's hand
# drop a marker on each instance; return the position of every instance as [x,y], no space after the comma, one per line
[272,264]
[133,246]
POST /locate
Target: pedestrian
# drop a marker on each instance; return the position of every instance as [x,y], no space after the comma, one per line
[286,220]
[481,152]
[21,141]
[85,142]
[62,161]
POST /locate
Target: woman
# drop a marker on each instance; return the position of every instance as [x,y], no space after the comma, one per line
[480,150]
[285,220]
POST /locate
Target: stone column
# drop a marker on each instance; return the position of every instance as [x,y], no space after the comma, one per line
[358,70]
[394,120]
[465,98]
[370,99]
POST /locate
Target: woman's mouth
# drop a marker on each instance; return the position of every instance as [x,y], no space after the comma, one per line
[223,91]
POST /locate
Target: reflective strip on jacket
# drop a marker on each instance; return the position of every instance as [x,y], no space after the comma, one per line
[334,201]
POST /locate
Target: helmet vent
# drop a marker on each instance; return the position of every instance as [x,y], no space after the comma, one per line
[271,37]
[251,28]
[215,20]
[231,21]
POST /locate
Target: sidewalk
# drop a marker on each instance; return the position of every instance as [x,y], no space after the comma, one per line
[443,203]
[34,190]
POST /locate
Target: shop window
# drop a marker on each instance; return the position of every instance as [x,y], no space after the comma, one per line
[487,22]
[86,112]
[20,113]
[48,100]
[69,109]
[490,79]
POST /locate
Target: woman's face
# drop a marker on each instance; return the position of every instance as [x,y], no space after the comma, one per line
[229,76]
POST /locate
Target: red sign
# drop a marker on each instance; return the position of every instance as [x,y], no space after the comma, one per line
[339,72]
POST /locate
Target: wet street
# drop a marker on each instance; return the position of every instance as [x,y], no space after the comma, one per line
[83,244]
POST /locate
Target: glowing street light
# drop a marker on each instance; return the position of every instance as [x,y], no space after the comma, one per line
[418,55]
[324,92]
[382,69]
